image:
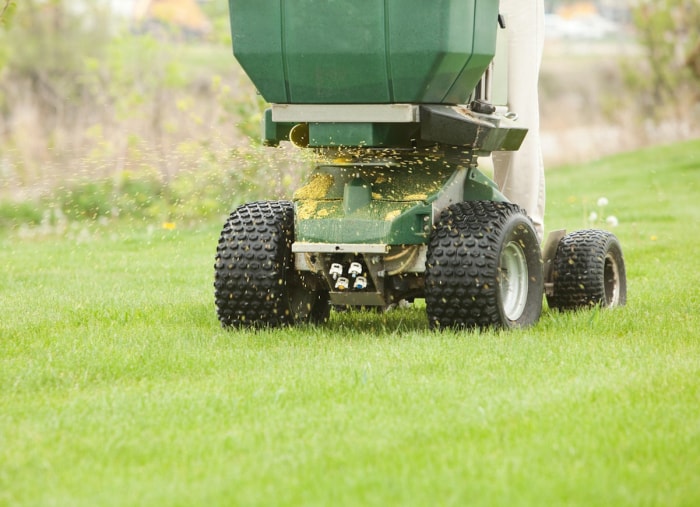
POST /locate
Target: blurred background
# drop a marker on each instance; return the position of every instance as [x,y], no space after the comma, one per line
[137,109]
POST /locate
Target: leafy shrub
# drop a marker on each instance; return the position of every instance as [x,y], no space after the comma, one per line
[86,200]
[14,214]
[138,195]
[666,79]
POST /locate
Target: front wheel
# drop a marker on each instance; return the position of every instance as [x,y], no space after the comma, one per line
[484,268]
[588,270]
[254,278]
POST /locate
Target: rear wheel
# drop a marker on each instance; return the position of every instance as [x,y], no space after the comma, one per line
[254,278]
[484,268]
[588,270]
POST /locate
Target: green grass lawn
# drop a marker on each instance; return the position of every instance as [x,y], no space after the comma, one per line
[118,387]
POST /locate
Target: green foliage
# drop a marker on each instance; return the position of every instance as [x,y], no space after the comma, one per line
[250,114]
[7,8]
[218,14]
[138,195]
[118,387]
[16,214]
[47,43]
[131,195]
[666,86]
[88,200]
[104,123]
[210,189]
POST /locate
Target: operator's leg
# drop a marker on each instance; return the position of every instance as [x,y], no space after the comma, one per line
[520,174]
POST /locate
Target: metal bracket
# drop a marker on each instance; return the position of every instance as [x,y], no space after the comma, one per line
[548,253]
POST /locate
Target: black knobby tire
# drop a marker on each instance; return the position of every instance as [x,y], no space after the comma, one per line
[467,280]
[254,281]
[588,270]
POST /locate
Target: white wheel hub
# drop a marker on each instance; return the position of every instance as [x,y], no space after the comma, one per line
[513,280]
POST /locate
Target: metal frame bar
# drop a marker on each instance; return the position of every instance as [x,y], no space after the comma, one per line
[340,248]
[345,113]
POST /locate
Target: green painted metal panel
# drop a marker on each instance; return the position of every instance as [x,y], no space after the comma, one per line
[484,36]
[358,203]
[369,135]
[364,51]
[410,179]
[257,43]
[380,222]
[383,204]
[480,188]
[335,51]
[440,49]
[274,132]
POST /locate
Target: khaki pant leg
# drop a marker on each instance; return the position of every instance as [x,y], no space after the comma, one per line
[520,175]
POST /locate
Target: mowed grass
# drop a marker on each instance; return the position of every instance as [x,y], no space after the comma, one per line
[118,387]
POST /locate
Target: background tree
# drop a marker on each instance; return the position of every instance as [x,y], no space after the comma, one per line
[666,79]
[6,8]
[99,119]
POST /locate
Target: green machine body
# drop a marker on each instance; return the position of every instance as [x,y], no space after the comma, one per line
[364,51]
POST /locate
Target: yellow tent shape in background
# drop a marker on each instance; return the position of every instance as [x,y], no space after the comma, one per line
[183,14]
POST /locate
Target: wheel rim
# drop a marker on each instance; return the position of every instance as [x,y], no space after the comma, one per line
[611,281]
[513,281]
